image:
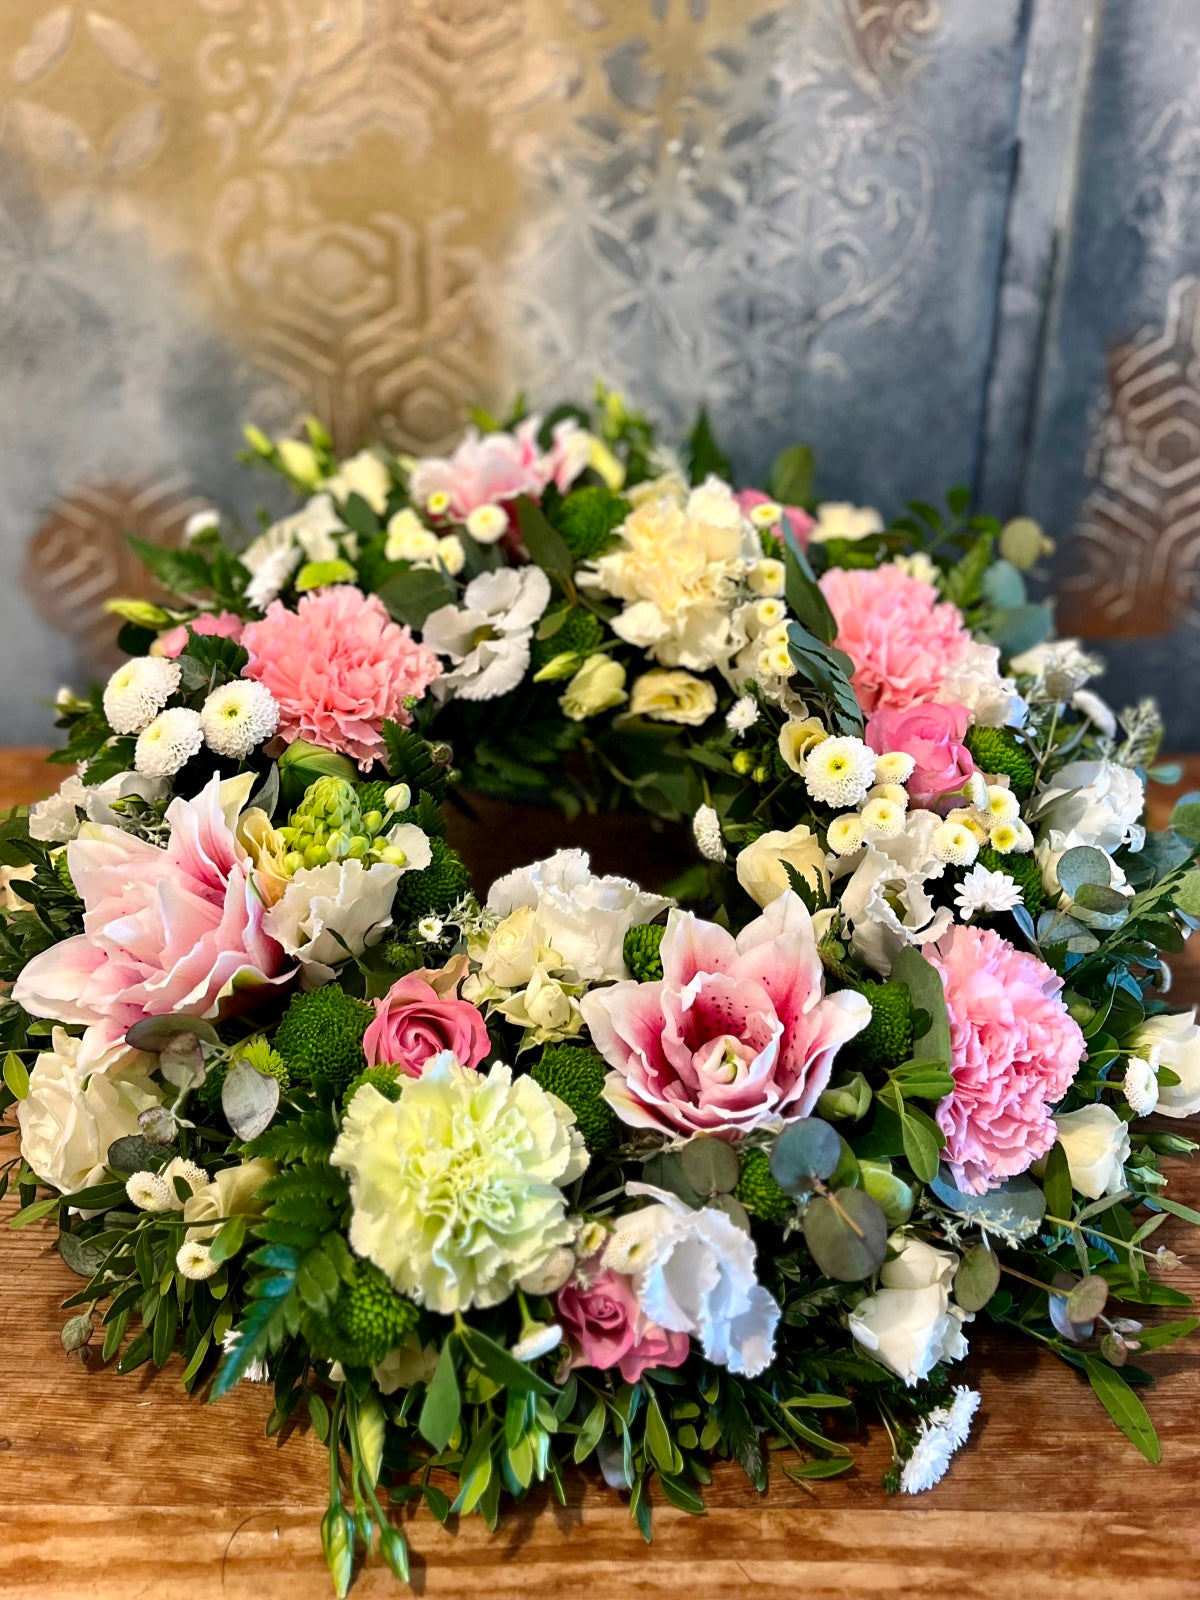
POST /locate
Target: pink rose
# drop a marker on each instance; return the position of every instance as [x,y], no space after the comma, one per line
[902,637]
[1014,1052]
[932,735]
[225,624]
[173,929]
[420,1016]
[606,1327]
[796,517]
[736,1034]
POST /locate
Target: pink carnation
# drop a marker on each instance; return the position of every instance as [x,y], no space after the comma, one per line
[1014,1052]
[901,638]
[165,930]
[339,668]
[420,1016]
[226,624]
[736,1034]
[494,468]
[932,735]
[606,1327]
[796,517]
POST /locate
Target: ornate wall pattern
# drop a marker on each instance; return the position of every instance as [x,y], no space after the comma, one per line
[866,223]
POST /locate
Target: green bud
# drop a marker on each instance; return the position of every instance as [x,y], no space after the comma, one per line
[372,822]
[743,763]
[393,855]
[140,612]
[846,1102]
[303,763]
[316,856]
[337,845]
[319,574]
[358,847]
[1023,542]
[293,862]
[398,797]
[560,666]
[258,441]
[337,1541]
[760,774]
[895,1197]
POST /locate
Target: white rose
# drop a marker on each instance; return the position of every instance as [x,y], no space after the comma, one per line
[1096,803]
[582,917]
[674,696]
[67,1125]
[341,898]
[409,1363]
[761,870]
[909,1324]
[698,1278]
[1172,1040]
[1096,1143]
[364,474]
[546,1007]
[232,1193]
[512,950]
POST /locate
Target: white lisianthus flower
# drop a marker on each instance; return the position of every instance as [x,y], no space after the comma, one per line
[582,917]
[327,914]
[839,519]
[169,743]
[488,637]
[138,691]
[695,1275]
[909,1324]
[57,821]
[1096,1143]
[233,1192]
[885,900]
[1097,803]
[598,685]
[364,474]
[1172,1040]
[761,868]
[456,1187]
[68,1122]
[674,696]
[238,717]
[310,534]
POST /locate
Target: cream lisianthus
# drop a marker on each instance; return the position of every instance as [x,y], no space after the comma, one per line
[762,866]
[673,697]
[839,519]
[232,1193]
[456,1187]
[797,737]
[1096,1142]
[598,685]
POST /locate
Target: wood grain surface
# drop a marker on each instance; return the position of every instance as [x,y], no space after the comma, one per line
[122,1488]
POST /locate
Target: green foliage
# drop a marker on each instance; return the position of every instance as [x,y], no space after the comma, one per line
[642,951]
[401,957]
[576,1075]
[416,762]
[435,888]
[320,1036]
[703,454]
[588,519]
[575,632]
[887,1039]
[261,1059]
[999,751]
[366,1320]
[758,1191]
[1023,870]
[385,1078]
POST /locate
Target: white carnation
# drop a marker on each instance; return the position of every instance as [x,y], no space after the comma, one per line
[138,691]
[238,717]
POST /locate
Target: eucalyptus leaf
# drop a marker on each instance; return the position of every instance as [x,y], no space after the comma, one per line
[1083,864]
[77,1331]
[1087,1299]
[154,1034]
[1018,628]
[848,1240]
[807,1151]
[710,1166]
[136,1153]
[1187,893]
[80,1255]
[249,1099]
[1015,1209]
[977,1278]
[1185,817]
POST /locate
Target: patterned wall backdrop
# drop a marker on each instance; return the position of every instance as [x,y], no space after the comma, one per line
[945,241]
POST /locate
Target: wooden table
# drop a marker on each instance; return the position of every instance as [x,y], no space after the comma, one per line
[119,1488]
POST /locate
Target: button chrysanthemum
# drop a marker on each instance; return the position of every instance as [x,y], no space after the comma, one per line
[457,1186]
[138,691]
[338,668]
[838,772]
[169,743]
[238,717]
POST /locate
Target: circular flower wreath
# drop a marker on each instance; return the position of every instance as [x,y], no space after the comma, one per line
[574,1169]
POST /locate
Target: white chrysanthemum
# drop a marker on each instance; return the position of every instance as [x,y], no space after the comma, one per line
[1096,710]
[1002,804]
[883,817]
[975,790]
[776,661]
[192,1174]
[1140,1085]
[982,890]
[538,1339]
[957,1417]
[918,566]
[1012,838]
[138,691]
[770,613]
[430,929]
[149,1191]
[451,554]
[954,843]
[741,716]
[929,1459]
[706,829]
[487,524]
[194,1260]
[767,577]
[169,743]
[200,522]
[766,514]
[894,766]
[845,834]
[838,772]
[238,717]
[456,1187]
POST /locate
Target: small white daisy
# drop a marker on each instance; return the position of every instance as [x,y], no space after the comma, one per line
[954,843]
[741,716]
[982,890]
[538,1339]
[958,1416]
[487,524]
[838,772]
[138,691]
[1140,1086]
[706,830]
[430,929]
[169,743]
[194,1260]
[929,1459]
[150,1191]
[238,717]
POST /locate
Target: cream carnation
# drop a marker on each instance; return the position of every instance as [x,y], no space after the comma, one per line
[238,717]
[456,1187]
[138,691]
[169,743]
